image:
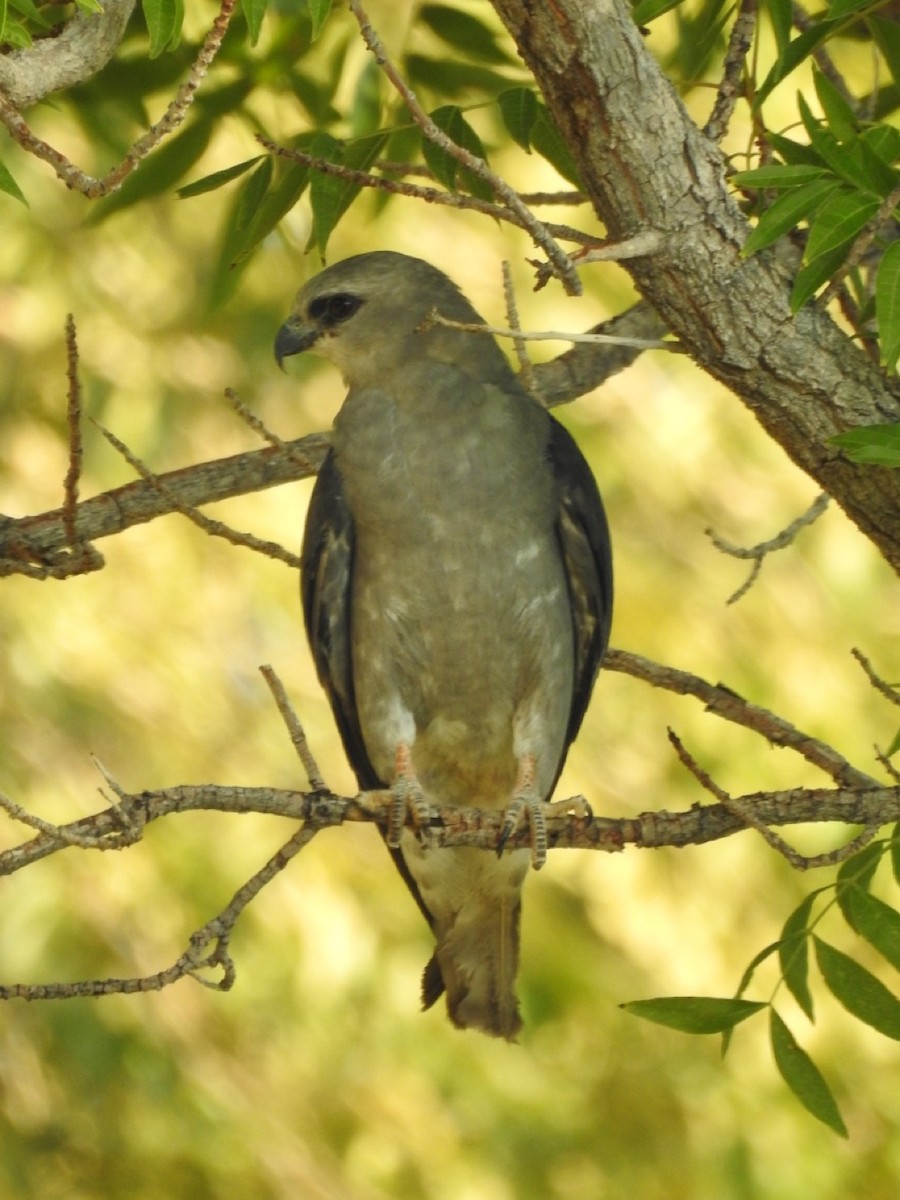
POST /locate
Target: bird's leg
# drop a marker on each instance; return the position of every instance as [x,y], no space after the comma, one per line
[526,803]
[408,796]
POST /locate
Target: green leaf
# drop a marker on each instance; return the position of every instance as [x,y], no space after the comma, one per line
[254,11]
[792,56]
[447,169]
[164,20]
[802,1076]
[887,307]
[843,8]
[318,11]
[895,838]
[879,924]
[463,31]
[794,152]
[519,109]
[829,149]
[876,445]
[782,18]
[9,185]
[859,870]
[329,195]
[648,10]
[838,221]
[891,750]
[779,177]
[694,1014]
[548,141]
[793,954]
[209,183]
[816,273]
[787,212]
[840,116]
[858,990]
[161,171]
[886,35]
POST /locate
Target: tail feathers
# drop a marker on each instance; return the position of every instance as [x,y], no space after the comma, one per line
[476,961]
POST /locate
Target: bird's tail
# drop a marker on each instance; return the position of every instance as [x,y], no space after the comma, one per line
[475,961]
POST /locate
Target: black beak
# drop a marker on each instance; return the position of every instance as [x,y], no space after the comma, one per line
[293,338]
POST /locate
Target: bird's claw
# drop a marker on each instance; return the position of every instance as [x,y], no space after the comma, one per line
[407,799]
[526,804]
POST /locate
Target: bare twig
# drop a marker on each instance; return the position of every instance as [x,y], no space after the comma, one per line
[295,729]
[731,83]
[562,264]
[521,335]
[429,195]
[779,542]
[213,528]
[71,175]
[745,812]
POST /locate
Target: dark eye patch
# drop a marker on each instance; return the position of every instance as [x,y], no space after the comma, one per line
[333,309]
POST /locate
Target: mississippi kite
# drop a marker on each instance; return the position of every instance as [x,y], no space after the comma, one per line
[457,594]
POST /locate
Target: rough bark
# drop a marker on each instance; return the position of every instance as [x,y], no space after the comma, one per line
[646,165]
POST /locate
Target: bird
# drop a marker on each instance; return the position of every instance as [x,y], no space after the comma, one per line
[456,583]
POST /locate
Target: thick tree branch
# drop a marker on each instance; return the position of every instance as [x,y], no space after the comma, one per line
[800,375]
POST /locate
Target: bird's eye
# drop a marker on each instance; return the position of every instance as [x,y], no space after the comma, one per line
[331,310]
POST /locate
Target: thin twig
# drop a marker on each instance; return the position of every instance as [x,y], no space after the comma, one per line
[731,83]
[881,685]
[213,528]
[562,264]
[429,195]
[91,187]
[778,542]
[521,335]
[295,729]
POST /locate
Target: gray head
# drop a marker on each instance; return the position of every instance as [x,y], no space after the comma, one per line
[366,314]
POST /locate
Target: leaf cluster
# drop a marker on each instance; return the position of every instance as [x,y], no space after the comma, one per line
[856,988]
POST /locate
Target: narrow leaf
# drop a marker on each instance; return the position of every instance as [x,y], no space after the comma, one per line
[787,212]
[887,306]
[803,1077]
[895,842]
[450,120]
[780,177]
[877,445]
[837,222]
[858,990]
[9,185]
[793,954]
[781,16]
[792,56]
[838,113]
[879,924]
[814,275]
[548,141]
[163,19]
[648,10]
[694,1014]
[209,183]
[886,35]
[330,196]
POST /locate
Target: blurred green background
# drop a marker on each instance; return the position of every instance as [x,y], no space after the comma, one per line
[317,1076]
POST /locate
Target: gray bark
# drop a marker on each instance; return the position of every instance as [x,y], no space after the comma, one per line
[646,165]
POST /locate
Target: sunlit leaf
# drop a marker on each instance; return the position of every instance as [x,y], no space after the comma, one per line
[10,187]
[814,275]
[802,1076]
[694,1014]
[793,954]
[877,445]
[838,220]
[858,990]
[887,307]
[779,177]
[787,212]
[840,116]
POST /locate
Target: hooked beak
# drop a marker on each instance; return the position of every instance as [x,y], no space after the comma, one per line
[293,338]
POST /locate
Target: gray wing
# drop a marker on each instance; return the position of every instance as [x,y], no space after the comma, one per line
[326,583]
[585,545]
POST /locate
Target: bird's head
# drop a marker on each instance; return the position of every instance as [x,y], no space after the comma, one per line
[369,314]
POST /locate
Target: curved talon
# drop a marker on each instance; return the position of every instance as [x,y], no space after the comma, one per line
[526,803]
[407,798]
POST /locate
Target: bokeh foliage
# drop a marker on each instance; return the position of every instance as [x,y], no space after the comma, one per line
[316,1076]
